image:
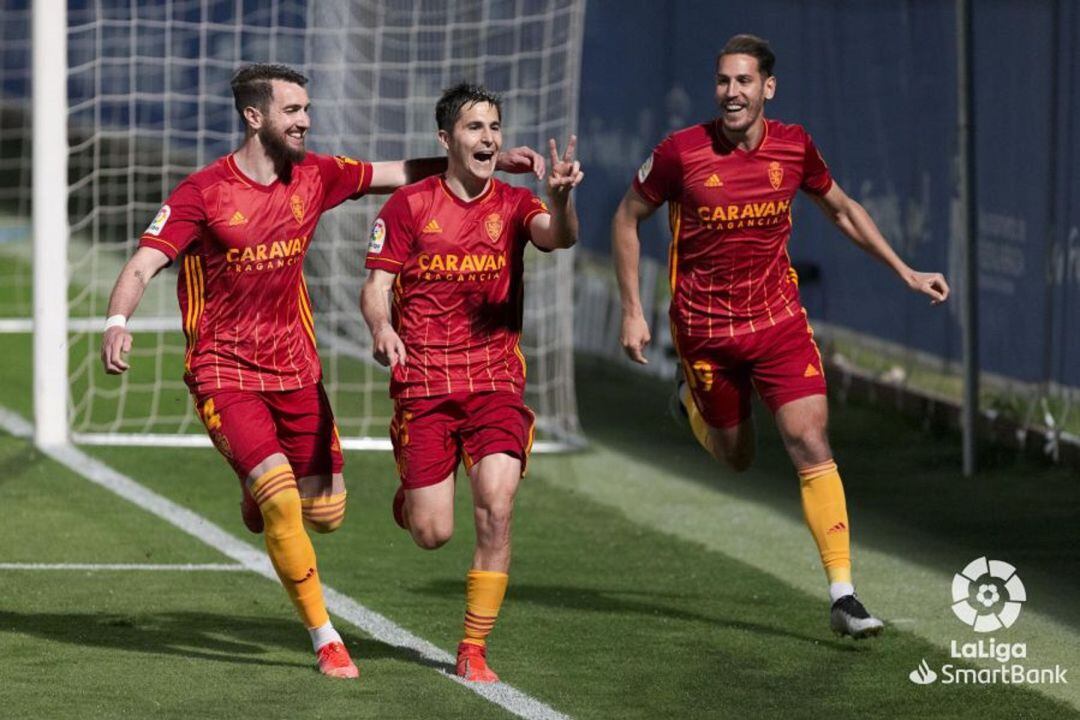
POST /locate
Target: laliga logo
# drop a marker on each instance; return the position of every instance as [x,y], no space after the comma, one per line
[998,594]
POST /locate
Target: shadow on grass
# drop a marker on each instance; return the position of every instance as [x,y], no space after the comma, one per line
[203,636]
[625,602]
[905,490]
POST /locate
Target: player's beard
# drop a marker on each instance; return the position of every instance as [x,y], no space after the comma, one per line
[277,148]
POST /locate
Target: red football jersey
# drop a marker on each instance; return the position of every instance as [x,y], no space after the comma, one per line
[730,217]
[245,306]
[459,289]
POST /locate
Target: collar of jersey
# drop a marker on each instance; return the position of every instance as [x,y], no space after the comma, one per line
[467,203]
[230,162]
[718,130]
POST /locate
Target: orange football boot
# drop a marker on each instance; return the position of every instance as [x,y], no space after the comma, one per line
[472,664]
[334,661]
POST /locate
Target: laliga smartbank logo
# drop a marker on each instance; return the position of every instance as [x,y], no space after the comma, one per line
[996,601]
[987,596]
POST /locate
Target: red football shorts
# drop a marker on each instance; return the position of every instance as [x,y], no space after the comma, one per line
[431,435]
[782,361]
[249,426]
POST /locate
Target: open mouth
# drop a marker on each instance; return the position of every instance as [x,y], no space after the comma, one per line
[734,107]
[484,156]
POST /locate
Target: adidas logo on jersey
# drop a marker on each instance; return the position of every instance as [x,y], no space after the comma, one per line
[432,227]
[837,528]
[810,371]
[237,219]
[714,181]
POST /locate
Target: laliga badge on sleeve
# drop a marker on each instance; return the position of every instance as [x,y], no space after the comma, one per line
[159,220]
[645,169]
[378,236]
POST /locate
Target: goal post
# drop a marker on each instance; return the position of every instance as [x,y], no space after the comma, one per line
[149,102]
[50,229]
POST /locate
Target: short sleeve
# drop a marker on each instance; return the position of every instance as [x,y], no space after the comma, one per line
[528,207]
[392,236]
[659,178]
[816,176]
[344,178]
[178,222]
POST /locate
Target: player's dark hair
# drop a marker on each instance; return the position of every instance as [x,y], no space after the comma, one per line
[454,99]
[251,86]
[755,47]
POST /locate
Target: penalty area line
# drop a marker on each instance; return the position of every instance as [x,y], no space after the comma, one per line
[370,622]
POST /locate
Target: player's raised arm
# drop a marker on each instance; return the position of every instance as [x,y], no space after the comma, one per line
[126,294]
[386,346]
[560,228]
[853,220]
[626,251]
[386,177]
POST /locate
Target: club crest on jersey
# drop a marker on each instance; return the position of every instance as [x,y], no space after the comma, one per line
[494,225]
[159,220]
[644,170]
[776,174]
[297,204]
[378,235]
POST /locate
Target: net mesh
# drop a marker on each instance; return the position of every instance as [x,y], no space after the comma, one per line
[149,103]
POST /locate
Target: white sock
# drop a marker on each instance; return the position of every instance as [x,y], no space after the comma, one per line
[322,635]
[838,590]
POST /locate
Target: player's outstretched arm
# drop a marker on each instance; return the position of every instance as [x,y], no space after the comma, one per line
[126,294]
[386,346]
[386,177]
[853,220]
[559,229]
[626,252]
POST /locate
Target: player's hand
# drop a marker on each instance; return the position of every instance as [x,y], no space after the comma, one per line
[520,160]
[635,337]
[388,349]
[932,284]
[566,172]
[115,345]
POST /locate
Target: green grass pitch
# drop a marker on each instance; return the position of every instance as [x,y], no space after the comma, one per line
[647,583]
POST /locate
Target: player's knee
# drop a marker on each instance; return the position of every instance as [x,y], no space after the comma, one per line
[282,512]
[431,534]
[493,520]
[808,445]
[734,447]
[739,459]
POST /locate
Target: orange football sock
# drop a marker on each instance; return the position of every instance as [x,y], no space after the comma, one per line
[484,593]
[698,426]
[825,511]
[324,513]
[288,544]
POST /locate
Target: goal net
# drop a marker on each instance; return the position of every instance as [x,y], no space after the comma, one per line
[149,102]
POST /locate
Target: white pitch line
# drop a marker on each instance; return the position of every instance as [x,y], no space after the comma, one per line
[189,567]
[377,626]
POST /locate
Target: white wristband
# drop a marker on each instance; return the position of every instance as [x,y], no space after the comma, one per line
[116,321]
